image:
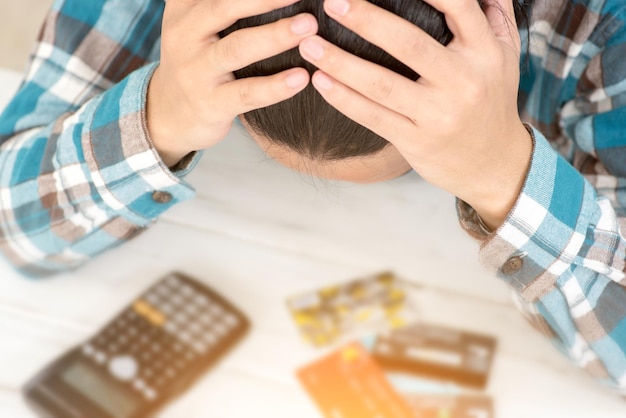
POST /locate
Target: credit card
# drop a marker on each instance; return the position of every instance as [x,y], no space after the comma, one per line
[450,406]
[374,303]
[437,352]
[347,383]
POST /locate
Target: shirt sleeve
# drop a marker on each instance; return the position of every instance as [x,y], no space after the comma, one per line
[562,248]
[78,172]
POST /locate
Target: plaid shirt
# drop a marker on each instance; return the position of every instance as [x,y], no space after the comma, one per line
[96,180]
[561,248]
[78,172]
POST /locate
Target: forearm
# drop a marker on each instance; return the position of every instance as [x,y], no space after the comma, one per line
[77,167]
[84,183]
[562,251]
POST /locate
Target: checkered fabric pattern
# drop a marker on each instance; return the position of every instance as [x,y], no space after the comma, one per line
[77,168]
[566,227]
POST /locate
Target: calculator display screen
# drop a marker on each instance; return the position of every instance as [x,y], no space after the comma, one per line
[88,383]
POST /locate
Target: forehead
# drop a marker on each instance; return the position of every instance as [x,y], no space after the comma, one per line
[384,165]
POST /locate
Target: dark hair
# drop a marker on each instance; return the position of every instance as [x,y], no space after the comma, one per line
[306,123]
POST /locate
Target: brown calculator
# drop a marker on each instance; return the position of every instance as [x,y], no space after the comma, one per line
[145,356]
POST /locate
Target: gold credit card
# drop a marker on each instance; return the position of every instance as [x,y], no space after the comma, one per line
[374,303]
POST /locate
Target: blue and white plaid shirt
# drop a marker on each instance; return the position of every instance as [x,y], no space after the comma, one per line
[79,174]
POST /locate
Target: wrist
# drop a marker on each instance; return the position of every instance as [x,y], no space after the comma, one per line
[161,128]
[507,182]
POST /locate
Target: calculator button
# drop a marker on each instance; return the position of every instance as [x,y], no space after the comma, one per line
[139,384]
[201,300]
[217,310]
[195,327]
[231,320]
[153,298]
[181,318]
[141,307]
[163,289]
[220,329]
[199,346]
[171,326]
[123,367]
[89,350]
[178,300]
[156,317]
[191,309]
[210,338]
[100,357]
[149,393]
[187,291]
[173,281]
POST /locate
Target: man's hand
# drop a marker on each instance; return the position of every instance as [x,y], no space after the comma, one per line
[458,125]
[193,96]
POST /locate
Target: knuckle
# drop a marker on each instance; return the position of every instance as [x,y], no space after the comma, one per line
[381,87]
[414,47]
[448,123]
[332,61]
[230,49]
[375,117]
[474,92]
[365,17]
[246,97]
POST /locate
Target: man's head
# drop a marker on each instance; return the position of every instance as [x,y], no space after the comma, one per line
[306,133]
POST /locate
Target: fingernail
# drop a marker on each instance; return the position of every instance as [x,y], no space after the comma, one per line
[339,7]
[296,80]
[322,81]
[312,49]
[301,25]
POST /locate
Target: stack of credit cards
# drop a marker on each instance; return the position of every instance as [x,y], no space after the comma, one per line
[327,315]
[409,370]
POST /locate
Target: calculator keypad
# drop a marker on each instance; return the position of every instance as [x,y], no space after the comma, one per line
[165,332]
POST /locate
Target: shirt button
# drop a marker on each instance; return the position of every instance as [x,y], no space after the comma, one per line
[512,265]
[161,197]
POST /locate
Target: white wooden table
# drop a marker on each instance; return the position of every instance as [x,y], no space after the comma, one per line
[258,233]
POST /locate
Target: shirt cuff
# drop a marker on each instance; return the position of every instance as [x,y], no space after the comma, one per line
[543,234]
[126,169]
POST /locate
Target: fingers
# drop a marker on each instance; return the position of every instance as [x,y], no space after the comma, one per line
[465,19]
[399,37]
[501,17]
[374,116]
[244,95]
[212,16]
[371,80]
[246,46]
